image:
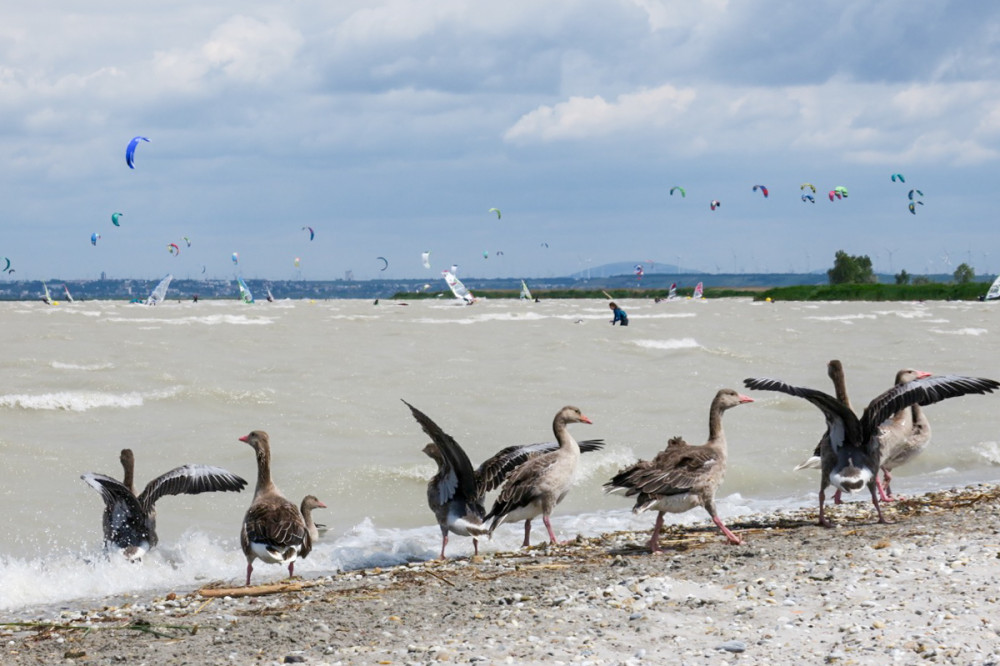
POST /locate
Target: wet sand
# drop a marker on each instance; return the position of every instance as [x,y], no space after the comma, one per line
[920,590]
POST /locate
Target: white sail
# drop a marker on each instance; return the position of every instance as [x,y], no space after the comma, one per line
[994,291]
[69,296]
[698,292]
[458,288]
[525,292]
[48,297]
[160,292]
[672,295]
[245,294]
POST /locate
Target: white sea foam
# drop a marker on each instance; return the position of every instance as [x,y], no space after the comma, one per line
[847,319]
[681,343]
[81,401]
[961,331]
[81,366]
[208,320]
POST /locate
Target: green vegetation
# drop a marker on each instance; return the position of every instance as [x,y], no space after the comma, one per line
[851,270]
[933,291]
[623,294]
[964,274]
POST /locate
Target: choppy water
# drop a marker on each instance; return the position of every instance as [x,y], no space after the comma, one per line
[181,382]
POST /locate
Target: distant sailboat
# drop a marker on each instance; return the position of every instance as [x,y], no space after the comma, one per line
[698,292]
[672,295]
[160,292]
[994,292]
[270,296]
[245,295]
[458,288]
[525,292]
[69,296]
[47,299]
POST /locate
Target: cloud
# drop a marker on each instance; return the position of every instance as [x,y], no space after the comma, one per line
[850,121]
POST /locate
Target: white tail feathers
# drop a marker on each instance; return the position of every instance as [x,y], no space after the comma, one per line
[814,462]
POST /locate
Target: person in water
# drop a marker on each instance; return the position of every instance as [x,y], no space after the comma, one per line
[620,315]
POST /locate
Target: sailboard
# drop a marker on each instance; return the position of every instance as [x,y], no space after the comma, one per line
[458,288]
[525,292]
[160,292]
[69,296]
[47,299]
[245,295]
[698,292]
[994,292]
[672,295]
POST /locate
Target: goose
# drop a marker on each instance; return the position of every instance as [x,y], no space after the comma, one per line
[274,530]
[456,493]
[538,485]
[310,502]
[682,477]
[852,459]
[904,436]
[130,518]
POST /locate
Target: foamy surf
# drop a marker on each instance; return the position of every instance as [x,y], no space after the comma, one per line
[677,343]
[81,401]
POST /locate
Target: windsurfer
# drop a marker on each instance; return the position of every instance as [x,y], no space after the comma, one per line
[620,315]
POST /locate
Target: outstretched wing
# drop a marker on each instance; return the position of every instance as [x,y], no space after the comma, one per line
[190,480]
[843,424]
[463,478]
[124,518]
[494,471]
[924,391]
[674,470]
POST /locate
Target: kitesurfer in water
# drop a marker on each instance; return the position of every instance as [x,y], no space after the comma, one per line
[620,315]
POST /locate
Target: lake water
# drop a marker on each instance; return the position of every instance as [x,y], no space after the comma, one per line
[180,383]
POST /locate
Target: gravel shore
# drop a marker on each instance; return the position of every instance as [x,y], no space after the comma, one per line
[920,590]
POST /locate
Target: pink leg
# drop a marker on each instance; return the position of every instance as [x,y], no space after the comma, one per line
[836,497]
[733,539]
[822,519]
[548,526]
[527,534]
[475,546]
[291,569]
[444,542]
[878,508]
[654,540]
[249,571]
[881,493]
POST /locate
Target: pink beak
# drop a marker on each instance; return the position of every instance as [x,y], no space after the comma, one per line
[745,398]
[584,419]
[320,505]
[245,438]
[921,374]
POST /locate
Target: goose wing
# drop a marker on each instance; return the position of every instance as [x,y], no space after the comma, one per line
[491,474]
[190,480]
[459,477]
[675,470]
[842,424]
[124,518]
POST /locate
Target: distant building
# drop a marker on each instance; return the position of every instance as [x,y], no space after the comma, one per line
[348,275]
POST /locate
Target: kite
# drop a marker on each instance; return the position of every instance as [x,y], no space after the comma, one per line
[186,240]
[899,177]
[425,258]
[236,258]
[296,262]
[173,249]
[114,218]
[679,189]
[911,194]
[7,266]
[312,234]
[808,197]
[494,210]
[94,237]
[384,261]
[715,204]
[763,190]
[809,185]
[130,151]
[913,206]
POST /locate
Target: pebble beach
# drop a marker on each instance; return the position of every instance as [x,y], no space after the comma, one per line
[921,589]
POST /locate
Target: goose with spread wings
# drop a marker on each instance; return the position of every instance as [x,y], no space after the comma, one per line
[852,457]
[130,518]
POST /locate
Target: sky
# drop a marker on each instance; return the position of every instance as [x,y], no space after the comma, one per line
[391,127]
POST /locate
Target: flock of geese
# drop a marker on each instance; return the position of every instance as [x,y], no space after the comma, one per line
[534,478]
